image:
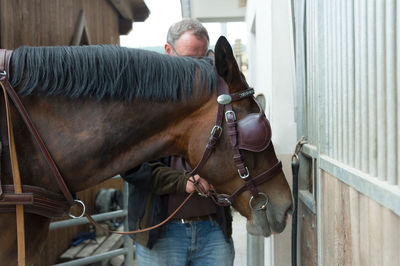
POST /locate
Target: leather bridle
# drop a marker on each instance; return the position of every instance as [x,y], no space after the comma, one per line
[226,111]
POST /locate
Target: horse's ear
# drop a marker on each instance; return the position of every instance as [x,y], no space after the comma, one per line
[225,62]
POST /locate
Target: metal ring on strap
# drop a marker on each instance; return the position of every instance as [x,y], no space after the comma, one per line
[263,206]
[83,210]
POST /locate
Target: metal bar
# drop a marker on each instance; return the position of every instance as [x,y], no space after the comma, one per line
[317,73]
[308,73]
[128,242]
[344,89]
[364,91]
[398,87]
[300,67]
[310,70]
[307,199]
[94,258]
[372,129]
[357,59]
[255,250]
[329,72]
[339,87]
[381,91]
[392,144]
[315,70]
[84,220]
[314,33]
[350,80]
[323,139]
[335,80]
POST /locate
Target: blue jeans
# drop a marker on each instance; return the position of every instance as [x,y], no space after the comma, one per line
[199,243]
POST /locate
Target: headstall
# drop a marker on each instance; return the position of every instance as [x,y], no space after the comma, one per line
[251,133]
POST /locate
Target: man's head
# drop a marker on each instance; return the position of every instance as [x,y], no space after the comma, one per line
[187,38]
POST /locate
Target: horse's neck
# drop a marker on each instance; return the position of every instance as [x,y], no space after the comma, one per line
[93,140]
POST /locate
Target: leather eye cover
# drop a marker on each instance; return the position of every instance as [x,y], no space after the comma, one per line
[254,132]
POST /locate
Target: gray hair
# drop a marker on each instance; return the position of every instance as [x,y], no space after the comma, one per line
[177,29]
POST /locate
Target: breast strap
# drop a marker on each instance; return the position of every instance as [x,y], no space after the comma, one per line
[42,201]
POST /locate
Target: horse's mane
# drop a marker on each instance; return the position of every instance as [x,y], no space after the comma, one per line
[107,71]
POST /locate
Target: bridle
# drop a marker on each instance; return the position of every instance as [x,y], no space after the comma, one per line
[259,142]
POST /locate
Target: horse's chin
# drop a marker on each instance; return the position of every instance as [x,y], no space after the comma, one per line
[261,225]
[258,229]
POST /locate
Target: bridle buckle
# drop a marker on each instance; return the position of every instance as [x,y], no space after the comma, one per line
[216,127]
[233,114]
[246,175]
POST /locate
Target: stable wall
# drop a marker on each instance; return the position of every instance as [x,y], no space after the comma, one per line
[54,22]
[271,73]
[356,230]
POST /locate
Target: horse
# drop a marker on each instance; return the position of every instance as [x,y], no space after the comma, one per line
[102,110]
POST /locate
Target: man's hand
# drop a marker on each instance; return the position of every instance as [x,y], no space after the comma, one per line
[202,186]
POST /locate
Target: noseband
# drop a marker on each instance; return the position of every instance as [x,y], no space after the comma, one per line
[242,135]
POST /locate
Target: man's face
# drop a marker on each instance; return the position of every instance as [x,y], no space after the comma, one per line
[187,45]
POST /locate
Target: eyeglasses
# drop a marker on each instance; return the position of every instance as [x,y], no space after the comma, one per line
[173,49]
[193,56]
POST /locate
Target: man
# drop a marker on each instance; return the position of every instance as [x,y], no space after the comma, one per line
[200,233]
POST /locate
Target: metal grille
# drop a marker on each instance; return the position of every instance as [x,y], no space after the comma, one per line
[350,94]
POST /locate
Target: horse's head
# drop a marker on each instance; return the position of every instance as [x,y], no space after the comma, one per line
[244,154]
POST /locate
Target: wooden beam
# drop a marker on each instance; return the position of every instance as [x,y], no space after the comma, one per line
[124,9]
[81,34]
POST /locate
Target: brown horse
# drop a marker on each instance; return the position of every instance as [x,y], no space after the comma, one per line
[103,110]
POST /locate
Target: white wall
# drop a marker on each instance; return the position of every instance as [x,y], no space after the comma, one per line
[271,65]
[217,10]
[271,72]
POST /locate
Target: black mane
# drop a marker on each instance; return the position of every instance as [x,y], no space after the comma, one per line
[107,71]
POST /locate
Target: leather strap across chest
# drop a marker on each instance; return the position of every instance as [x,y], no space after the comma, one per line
[17,197]
[43,202]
